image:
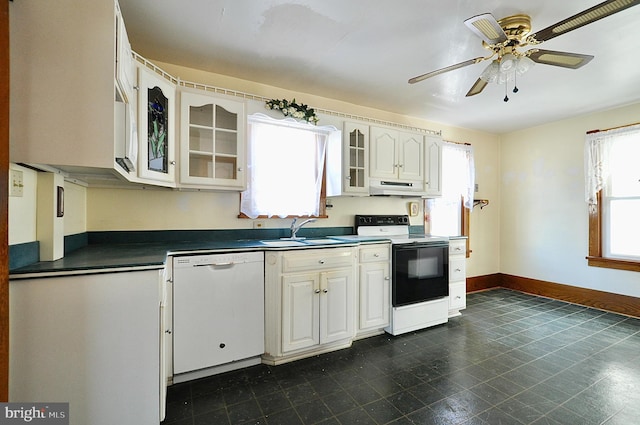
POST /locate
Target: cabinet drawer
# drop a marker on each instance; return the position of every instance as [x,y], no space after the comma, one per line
[458,247]
[457,296]
[317,259]
[457,269]
[374,253]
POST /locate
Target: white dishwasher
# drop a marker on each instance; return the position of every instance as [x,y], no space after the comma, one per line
[218,309]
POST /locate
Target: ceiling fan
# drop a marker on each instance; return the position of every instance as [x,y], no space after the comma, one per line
[506,36]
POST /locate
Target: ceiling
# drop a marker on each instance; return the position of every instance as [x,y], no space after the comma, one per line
[364,51]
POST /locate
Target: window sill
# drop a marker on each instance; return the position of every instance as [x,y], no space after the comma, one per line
[613,263]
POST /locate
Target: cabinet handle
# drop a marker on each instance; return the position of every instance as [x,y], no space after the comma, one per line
[376,255]
[457,270]
[458,249]
[317,291]
[136,88]
[400,165]
[386,278]
[321,261]
[458,297]
[348,177]
[172,162]
[168,331]
[325,290]
[240,169]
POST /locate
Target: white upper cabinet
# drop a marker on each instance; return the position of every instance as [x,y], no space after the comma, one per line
[396,155]
[383,161]
[356,158]
[433,165]
[64,86]
[125,64]
[212,142]
[156,119]
[410,156]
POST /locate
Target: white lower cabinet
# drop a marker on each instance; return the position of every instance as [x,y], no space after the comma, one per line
[90,340]
[457,276]
[374,288]
[310,302]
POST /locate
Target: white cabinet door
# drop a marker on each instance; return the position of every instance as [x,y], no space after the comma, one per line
[90,340]
[433,165]
[374,295]
[457,296]
[300,311]
[337,292]
[383,158]
[212,142]
[396,155]
[156,120]
[125,65]
[356,158]
[410,156]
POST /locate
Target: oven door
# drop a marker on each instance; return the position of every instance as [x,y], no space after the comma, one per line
[420,272]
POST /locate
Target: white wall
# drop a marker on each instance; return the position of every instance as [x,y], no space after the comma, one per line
[544,218]
[22,209]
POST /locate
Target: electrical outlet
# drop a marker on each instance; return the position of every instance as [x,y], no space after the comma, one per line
[16,184]
[258,224]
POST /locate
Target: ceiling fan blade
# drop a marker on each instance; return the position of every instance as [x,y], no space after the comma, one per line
[443,70]
[563,59]
[585,17]
[477,87]
[487,28]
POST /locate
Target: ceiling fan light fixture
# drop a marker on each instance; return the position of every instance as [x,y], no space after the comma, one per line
[523,65]
[507,63]
[490,73]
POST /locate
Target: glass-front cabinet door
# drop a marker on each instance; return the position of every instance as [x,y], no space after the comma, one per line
[212,142]
[356,158]
[156,108]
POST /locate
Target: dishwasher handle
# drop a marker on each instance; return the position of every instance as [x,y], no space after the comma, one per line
[223,264]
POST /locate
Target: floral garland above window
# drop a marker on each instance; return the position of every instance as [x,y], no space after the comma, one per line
[296,110]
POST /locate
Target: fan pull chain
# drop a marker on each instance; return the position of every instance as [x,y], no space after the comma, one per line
[515,82]
[506,98]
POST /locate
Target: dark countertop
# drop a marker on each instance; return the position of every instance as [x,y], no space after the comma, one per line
[101,258]
[115,257]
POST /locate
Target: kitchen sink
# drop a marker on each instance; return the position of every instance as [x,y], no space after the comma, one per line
[322,241]
[283,243]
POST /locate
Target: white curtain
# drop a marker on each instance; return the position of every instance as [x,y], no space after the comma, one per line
[458,180]
[460,172]
[285,167]
[597,148]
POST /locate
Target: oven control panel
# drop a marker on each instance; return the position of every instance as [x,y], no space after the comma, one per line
[382,220]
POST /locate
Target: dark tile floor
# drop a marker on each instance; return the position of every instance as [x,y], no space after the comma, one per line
[511,358]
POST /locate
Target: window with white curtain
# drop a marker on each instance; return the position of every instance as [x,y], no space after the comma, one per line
[285,167]
[613,177]
[445,214]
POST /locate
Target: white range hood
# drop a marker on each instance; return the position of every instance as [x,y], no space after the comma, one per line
[394,187]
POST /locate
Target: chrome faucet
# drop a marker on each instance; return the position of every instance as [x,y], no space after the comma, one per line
[295,227]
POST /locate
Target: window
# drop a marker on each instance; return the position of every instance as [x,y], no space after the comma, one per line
[613,194]
[449,214]
[285,168]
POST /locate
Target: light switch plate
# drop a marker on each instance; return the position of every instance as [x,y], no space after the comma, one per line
[16,184]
